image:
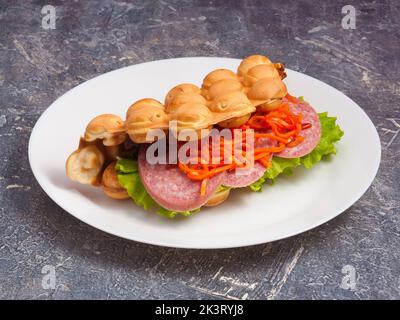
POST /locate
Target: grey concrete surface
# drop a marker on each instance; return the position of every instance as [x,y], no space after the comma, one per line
[93,37]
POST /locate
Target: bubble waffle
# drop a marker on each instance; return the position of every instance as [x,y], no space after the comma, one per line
[86,163]
[107,127]
[225,98]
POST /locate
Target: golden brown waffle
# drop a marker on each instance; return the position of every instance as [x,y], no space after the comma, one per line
[225,98]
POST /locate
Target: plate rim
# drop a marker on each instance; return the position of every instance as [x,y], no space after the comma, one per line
[172,244]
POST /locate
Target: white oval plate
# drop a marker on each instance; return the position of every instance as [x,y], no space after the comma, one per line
[293,205]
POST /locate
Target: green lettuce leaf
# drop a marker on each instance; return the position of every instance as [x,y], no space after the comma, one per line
[278,166]
[128,177]
[172,214]
[330,134]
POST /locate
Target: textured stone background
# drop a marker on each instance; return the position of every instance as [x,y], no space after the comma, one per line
[92,37]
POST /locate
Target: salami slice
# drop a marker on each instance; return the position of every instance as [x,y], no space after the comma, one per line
[239,179]
[171,188]
[312,135]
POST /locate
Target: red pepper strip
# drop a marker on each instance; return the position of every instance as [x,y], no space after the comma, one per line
[291,98]
[203,187]
[270,150]
[295,142]
[265,162]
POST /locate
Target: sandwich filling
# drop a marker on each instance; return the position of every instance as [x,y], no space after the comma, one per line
[291,135]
